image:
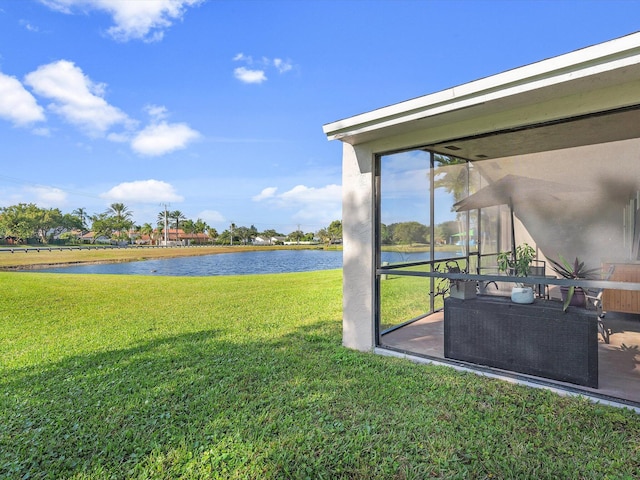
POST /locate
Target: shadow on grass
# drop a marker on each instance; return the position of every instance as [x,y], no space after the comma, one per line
[110,411]
[203,405]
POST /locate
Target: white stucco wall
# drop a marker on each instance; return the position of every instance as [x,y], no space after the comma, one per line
[358,248]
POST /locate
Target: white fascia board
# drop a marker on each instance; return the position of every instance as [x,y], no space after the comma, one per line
[587,62]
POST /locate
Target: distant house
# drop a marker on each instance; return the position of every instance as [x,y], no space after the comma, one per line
[195,238]
[143,240]
[57,234]
[179,237]
[275,240]
[174,234]
[90,237]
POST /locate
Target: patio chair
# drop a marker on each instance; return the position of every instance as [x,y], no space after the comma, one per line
[594,302]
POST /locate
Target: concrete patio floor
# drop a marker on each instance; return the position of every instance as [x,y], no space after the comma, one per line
[618,361]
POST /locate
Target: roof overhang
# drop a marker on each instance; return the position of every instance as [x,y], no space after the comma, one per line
[560,102]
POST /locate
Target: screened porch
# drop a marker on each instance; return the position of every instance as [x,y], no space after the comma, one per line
[443,219]
[437,187]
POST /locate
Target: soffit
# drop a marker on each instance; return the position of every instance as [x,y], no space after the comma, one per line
[604,127]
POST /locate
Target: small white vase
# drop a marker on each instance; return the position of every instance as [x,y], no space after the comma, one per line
[522,295]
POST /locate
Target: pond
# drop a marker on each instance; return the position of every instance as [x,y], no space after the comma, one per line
[239,263]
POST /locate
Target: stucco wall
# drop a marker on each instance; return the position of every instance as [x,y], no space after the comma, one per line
[358,255]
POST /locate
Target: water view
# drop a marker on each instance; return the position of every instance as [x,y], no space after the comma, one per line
[240,263]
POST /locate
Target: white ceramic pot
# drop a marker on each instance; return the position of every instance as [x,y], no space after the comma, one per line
[522,295]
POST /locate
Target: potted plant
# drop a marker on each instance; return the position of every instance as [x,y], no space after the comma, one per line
[572,295]
[462,289]
[518,266]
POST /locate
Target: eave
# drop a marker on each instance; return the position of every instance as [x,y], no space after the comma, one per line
[589,81]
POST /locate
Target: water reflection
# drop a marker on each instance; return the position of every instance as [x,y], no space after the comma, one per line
[239,263]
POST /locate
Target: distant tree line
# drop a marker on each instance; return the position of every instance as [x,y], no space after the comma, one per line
[411,233]
[27,223]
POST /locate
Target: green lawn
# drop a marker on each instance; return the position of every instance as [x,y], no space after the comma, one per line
[245,377]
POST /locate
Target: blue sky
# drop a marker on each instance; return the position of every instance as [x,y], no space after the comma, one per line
[216,108]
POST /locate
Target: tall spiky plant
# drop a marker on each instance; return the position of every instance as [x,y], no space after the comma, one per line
[575,270]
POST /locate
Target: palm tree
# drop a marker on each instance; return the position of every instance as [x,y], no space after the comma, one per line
[188,226]
[200,226]
[452,175]
[119,211]
[82,213]
[163,223]
[121,216]
[177,216]
[232,228]
[147,229]
[158,234]
[161,217]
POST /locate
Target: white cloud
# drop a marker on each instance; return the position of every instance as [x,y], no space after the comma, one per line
[29,26]
[134,19]
[317,206]
[156,112]
[16,104]
[211,216]
[246,75]
[268,192]
[48,197]
[143,191]
[75,97]
[158,139]
[241,56]
[258,74]
[282,65]
[303,195]
[80,101]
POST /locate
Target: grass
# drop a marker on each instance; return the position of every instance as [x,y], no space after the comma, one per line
[245,377]
[406,297]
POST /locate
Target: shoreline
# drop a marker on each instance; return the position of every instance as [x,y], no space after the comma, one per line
[43,266]
[16,259]
[23,260]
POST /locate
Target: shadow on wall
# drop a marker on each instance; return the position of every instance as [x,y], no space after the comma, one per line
[587,220]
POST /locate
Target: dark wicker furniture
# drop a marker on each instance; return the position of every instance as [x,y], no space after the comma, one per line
[537,339]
